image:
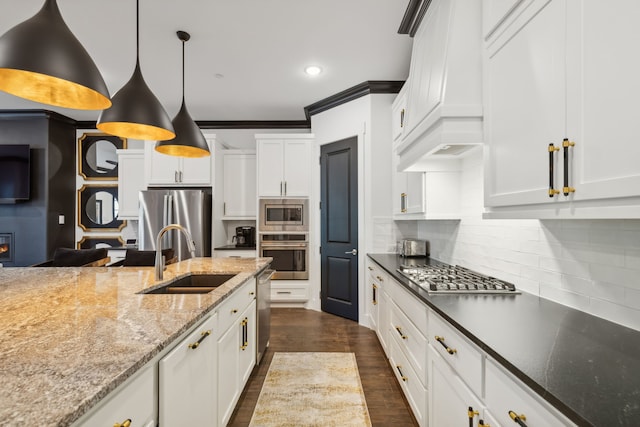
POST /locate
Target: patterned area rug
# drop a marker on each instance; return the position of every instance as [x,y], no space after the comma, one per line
[311,389]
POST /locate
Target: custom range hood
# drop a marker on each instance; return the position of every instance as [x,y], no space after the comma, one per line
[443,111]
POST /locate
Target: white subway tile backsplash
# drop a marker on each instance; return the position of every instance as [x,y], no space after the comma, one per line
[616,313]
[568,298]
[618,275]
[632,259]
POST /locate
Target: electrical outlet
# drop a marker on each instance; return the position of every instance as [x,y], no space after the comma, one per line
[60,219]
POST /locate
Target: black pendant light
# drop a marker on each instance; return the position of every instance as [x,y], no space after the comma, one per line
[41,60]
[136,112]
[189,140]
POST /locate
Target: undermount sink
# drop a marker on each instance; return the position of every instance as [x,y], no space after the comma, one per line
[192,284]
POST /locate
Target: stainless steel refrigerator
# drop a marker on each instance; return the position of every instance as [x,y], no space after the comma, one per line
[189,208]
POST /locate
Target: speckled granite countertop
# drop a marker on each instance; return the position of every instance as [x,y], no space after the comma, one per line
[585,366]
[69,336]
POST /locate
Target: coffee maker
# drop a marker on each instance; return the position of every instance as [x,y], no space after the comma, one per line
[245,236]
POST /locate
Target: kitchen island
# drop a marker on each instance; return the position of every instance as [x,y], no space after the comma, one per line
[583,366]
[70,336]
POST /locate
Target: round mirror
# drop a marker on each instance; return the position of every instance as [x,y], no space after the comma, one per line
[102,208]
[101,156]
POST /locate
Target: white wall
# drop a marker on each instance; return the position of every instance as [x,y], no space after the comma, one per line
[591,265]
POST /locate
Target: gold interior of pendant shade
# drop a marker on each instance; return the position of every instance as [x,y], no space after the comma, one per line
[51,90]
[136,131]
[182,151]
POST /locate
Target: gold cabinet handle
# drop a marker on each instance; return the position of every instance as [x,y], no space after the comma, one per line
[446,347]
[196,344]
[245,334]
[566,190]
[552,149]
[403,202]
[370,268]
[379,278]
[234,311]
[252,293]
[402,377]
[402,118]
[481,423]
[125,423]
[471,413]
[403,336]
[518,418]
[374,299]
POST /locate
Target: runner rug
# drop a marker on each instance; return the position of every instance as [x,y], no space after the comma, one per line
[311,389]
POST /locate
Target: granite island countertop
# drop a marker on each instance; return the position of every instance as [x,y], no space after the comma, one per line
[586,367]
[71,335]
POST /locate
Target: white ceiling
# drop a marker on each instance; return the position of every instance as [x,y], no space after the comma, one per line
[260,47]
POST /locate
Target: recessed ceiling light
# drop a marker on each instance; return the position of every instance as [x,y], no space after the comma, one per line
[313,70]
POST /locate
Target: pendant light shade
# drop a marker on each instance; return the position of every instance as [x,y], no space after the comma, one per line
[41,60]
[136,112]
[189,140]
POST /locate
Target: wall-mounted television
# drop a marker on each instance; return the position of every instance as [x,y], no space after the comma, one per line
[15,173]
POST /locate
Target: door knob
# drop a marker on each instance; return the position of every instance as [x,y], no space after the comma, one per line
[352,252]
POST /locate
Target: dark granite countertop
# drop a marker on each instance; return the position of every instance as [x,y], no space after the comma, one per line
[234,248]
[586,367]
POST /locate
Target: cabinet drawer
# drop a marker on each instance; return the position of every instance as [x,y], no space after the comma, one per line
[411,341]
[288,293]
[504,393]
[376,274]
[413,389]
[230,309]
[463,356]
[136,400]
[413,308]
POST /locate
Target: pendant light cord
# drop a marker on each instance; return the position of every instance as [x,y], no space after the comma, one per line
[183,42]
[138,31]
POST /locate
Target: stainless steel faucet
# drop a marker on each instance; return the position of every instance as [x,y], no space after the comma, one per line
[159,258]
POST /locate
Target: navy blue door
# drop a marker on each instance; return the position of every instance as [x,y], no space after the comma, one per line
[339,228]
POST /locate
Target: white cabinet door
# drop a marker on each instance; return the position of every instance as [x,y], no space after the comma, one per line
[382,328]
[188,379]
[399,112]
[605,162]
[270,166]
[297,179]
[196,171]
[131,180]
[283,166]
[451,403]
[228,373]
[525,104]
[239,185]
[247,353]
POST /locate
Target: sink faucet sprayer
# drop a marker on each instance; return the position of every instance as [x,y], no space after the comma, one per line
[159,258]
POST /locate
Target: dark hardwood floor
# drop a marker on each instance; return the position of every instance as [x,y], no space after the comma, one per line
[295,329]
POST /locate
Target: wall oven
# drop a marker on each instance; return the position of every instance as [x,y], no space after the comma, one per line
[281,215]
[290,253]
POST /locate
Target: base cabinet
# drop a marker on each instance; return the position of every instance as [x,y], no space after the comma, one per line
[451,403]
[236,348]
[188,379]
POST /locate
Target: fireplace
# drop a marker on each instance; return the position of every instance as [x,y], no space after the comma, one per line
[6,247]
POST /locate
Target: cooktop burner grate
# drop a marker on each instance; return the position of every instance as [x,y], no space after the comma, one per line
[454,280]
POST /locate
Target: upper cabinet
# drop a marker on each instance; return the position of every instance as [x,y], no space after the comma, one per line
[559,118]
[398,114]
[239,184]
[284,161]
[131,180]
[443,112]
[163,170]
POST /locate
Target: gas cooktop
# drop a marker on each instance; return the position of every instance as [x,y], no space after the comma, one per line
[447,279]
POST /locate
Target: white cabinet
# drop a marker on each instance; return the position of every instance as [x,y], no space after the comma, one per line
[179,171]
[379,307]
[504,393]
[576,95]
[136,400]
[284,162]
[451,403]
[284,292]
[236,347]
[398,114]
[444,96]
[188,379]
[131,180]
[239,184]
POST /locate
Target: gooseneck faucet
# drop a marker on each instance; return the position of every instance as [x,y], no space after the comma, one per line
[159,258]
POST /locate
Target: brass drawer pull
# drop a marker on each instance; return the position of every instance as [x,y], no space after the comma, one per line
[446,347]
[566,190]
[234,311]
[403,336]
[402,377]
[552,191]
[518,419]
[197,343]
[125,423]
[471,413]
[481,423]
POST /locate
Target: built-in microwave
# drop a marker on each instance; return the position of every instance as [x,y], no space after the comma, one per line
[283,215]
